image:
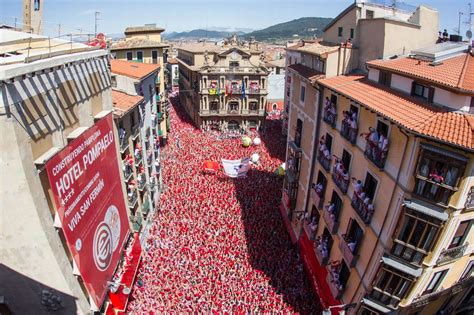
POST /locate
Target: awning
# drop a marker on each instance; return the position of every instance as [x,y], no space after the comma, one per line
[426,208]
[376,306]
[442,151]
[408,269]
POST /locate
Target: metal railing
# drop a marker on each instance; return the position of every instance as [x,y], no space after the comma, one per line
[349,133]
[450,254]
[364,211]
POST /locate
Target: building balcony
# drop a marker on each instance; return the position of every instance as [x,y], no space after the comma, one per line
[233,112]
[365,211]
[132,199]
[331,220]
[135,132]
[253,89]
[375,154]
[127,172]
[340,182]
[450,254]
[141,182]
[145,205]
[123,144]
[316,196]
[433,191]
[136,221]
[337,289]
[325,162]
[349,133]
[330,118]
[138,158]
[347,253]
[322,250]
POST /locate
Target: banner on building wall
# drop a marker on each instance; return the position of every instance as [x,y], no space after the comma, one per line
[86,186]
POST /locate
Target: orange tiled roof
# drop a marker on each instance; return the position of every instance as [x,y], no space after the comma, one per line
[406,111]
[136,70]
[306,72]
[456,72]
[124,102]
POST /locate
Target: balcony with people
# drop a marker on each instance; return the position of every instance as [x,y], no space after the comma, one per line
[324,152]
[338,274]
[132,195]
[438,174]
[318,189]
[293,162]
[213,88]
[311,220]
[363,197]
[323,245]
[138,154]
[331,213]
[349,125]
[127,164]
[340,174]
[350,243]
[123,139]
[377,144]
[330,111]
[141,180]
[254,87]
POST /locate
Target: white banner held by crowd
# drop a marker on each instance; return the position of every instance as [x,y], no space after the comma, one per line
[236,168]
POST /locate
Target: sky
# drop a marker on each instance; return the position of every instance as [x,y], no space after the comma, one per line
[183,15]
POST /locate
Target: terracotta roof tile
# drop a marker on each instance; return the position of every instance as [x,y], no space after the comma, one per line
[136,70]
[456,72]
[135,43]
[406,111]
[124,102]
[306,72]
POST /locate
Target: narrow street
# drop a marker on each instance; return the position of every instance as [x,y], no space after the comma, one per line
[219,244]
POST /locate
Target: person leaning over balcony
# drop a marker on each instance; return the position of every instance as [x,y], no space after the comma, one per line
[372,138]
[357,184]
[436,177]
[383,147]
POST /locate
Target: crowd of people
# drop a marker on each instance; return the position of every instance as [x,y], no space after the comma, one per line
[219,245]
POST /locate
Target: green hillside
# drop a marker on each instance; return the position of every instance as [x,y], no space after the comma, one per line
[306,27]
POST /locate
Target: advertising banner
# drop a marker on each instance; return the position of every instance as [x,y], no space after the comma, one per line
[85,182]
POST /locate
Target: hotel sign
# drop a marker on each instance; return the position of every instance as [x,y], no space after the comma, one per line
[86,185]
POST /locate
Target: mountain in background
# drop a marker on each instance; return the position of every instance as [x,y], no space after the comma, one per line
[199,34]
[303,28]
[307,27]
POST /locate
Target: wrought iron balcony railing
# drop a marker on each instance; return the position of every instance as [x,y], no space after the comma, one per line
[450,254]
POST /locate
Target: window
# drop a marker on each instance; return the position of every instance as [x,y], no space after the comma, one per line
[298,132]
[37,5]
[352,33]
[114,80]
[382,128]
[391,286]
[253,106]
[385,78]
[471,107]
[302,94]
[340,31]
[369,14]
[422,91]
[129,55]
[435,281]
[233,64]
[328,141]
[416,237]
[353,236]
[370,186]
[154,56]
[337,202]
[461,234]
[346,159]
[140,56]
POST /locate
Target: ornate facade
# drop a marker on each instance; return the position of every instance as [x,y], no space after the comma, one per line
[224,86]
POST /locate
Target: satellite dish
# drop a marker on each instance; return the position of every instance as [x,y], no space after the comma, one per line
[469,34]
